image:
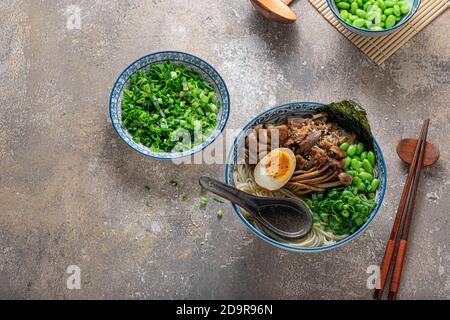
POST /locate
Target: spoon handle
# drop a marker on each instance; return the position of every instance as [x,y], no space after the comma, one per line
[230,193]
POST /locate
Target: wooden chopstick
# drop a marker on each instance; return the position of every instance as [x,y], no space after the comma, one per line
[390,247]
[401,252]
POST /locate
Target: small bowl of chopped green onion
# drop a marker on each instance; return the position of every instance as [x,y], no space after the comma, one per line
[373,18]
[169,105]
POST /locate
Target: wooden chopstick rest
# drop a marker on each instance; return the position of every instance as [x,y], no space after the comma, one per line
[406,147]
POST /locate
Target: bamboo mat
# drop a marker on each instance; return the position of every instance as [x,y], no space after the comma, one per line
[380,49]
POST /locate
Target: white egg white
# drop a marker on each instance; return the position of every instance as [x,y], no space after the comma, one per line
[265,179]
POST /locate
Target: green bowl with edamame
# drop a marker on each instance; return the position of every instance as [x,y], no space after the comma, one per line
[373,18]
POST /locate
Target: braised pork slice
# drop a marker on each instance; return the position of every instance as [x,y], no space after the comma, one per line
[309,141]
[338,152]
[294,122]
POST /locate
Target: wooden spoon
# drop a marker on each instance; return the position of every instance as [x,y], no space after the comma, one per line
[406,147]
[275,10]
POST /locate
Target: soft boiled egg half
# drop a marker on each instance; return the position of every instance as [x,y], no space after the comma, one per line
[275,169]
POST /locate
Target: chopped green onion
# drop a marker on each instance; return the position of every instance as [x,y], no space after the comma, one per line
[203,202]
[165,98]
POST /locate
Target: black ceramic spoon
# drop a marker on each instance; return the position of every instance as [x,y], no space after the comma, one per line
[287,218]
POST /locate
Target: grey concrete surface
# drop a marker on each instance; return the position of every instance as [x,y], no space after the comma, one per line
[72,193]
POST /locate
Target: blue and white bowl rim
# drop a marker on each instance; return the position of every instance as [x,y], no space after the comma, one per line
[259,233]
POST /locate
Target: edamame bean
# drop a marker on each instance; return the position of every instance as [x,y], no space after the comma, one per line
[345,146]
[365,176]
[361,186]
[377,19]
[361,13]
[371,157]
[390,21]
[352,17]
[343,5]
[366,165]
[397,11]
[368,5]
[381,4]
[389,11]
[354,7]
[383,18]
[371,15]
[360,148]
[374,185]
[363,155]
[347,162]
[404,8]
[360,3]
[356,164]
[344,14]
[376,28]
[389,4]
[352,172]
[351,151]
[356,180]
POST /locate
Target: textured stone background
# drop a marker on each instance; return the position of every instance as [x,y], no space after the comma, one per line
[72,193]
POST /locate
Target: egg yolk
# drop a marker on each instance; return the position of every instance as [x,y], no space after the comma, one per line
[278,165]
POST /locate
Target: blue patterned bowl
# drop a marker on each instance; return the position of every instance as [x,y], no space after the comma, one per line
[299,109]
[414,5]
[203,68]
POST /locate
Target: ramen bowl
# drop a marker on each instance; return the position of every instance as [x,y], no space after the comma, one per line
[202,68]
[235,157]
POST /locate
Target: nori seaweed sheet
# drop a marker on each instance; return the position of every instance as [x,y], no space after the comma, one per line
[353,118]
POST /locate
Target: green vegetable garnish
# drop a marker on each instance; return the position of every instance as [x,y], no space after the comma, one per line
[343,210]
[184,197]
[147,188]
[173,183]
[219,200]
[203,202]
[374,14]
[219,214]
[168,108]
